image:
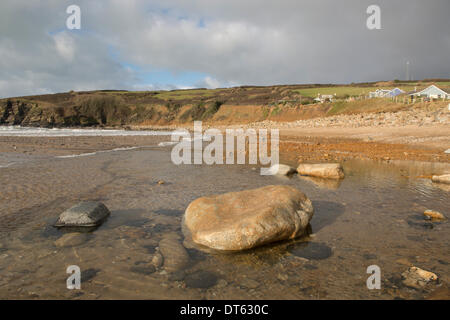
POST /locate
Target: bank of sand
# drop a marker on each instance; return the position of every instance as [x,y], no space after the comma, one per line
[297,144]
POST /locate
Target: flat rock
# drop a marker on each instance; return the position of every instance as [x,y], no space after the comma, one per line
[247,219]
[441,179]
[175,255]
[281,169]
[84,214]
[434,215]
[418,278]
[322,170]
[71,239]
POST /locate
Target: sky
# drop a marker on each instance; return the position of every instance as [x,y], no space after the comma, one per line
[170,44]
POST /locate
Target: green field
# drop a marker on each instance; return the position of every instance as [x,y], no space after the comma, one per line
[342,91]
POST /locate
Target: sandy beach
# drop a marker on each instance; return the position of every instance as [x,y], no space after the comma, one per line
[385,197]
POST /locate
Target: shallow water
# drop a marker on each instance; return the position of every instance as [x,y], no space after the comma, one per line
[373,216]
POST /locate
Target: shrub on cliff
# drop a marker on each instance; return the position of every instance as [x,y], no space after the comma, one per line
[104,109]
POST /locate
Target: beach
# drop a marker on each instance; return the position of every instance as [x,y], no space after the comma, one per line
[373,216]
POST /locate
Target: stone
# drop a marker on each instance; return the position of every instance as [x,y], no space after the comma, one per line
[157,260]
[247,219]
[433,215]
[322,170]
[418,278]
[71,239]
[88,274]
[84,214]
[441,179]
[249,283]
[160,182]
[222,283]
[281,169]
[175,255]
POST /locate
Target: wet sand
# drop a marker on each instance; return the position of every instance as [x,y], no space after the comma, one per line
[373,216]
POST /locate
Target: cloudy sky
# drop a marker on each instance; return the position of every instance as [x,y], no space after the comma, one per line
[165,44]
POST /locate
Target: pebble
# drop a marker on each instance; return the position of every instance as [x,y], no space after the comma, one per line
[250,283]
[433,215]
[157,260]
[222,283]
[418,278]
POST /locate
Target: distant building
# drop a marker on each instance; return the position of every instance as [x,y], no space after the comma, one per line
[379,93]
[383,93]
[432,92]
[324,98]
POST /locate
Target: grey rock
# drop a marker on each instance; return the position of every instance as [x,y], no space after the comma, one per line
[84,214]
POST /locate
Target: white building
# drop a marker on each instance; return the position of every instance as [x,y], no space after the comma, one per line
[432,92]
[324,98]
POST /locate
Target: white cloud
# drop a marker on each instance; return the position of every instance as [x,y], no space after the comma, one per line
[65,46]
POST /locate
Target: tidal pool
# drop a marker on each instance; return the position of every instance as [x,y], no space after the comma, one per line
[372,217]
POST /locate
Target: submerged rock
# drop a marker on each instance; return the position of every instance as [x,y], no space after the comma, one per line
[434,215]
[201,279]
[175,255]
[281,169]
[246,219]
[71,239]
[322,170]
[84,214]
[418,278]
[146,270]
[441,179]
[311,250]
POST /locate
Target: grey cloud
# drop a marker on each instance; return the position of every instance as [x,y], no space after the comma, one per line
[233,42]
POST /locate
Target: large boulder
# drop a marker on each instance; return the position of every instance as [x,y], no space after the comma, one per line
[246,219]
[84,214]
[322,170]
[441,179]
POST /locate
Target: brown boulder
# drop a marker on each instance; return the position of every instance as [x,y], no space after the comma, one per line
[246,219]
[322,170]
[441,179]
